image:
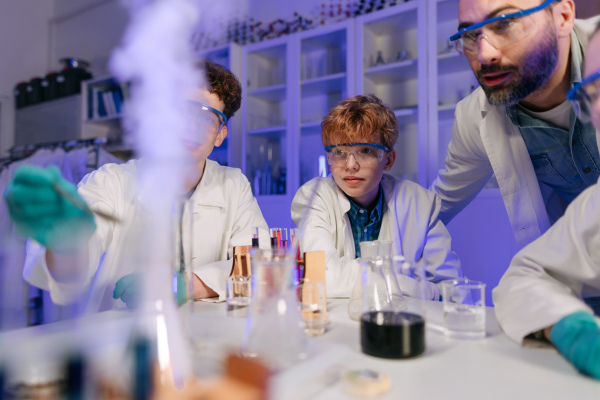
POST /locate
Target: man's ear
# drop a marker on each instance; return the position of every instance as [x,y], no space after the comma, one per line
[390,159]
[221,136]
[564,17]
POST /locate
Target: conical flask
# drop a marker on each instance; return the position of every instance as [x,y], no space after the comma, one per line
[158,323]
[378,254]
[387,329]
[274,327]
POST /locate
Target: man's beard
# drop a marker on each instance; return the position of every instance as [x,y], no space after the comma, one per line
[537,69]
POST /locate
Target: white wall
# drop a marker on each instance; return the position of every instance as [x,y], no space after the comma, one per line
[87,29]
[24,48]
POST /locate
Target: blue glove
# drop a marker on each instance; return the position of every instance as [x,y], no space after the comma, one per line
[129,290]
[40,212]
[577,337]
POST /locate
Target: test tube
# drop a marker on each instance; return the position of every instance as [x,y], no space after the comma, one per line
[284,238]
[273,237]
[278,235]
[255,239]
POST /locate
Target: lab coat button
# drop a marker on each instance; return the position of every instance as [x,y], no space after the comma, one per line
[587,170]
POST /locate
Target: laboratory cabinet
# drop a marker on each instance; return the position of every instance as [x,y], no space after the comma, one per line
[229,153]
[450,76]
[102,107]
[390,62]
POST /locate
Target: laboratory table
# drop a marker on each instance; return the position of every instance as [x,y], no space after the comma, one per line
[490,368]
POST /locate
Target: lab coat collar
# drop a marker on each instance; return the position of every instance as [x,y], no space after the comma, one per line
[209,191]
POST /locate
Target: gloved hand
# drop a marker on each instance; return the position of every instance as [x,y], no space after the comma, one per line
[577,337]
[129,290]
[40,212]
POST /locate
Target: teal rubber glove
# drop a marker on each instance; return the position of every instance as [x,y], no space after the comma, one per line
[40,212]
[129,290]
[577,337]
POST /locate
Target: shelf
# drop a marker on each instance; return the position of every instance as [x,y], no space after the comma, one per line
[271,93]
[449,63]
[406,112]
[105,120]
[446,111]
[447,107]
[271,131]
[394,72]
[324,84]
[311,125]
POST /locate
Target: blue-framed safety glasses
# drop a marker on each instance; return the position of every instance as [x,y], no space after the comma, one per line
[583,96]
[206,117]
[500,31]
[364,153]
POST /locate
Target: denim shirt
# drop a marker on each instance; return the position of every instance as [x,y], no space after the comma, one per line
[365,225]
[566,161]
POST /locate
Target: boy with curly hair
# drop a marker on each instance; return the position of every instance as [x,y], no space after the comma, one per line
[224,210]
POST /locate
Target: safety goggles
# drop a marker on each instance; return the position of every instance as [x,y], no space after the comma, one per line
[500,31]
[583,96]
[365,154]
[205,118]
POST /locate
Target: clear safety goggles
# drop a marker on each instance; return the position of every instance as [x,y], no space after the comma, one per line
[500,31]
[365,154]
[205,118]
[583,96]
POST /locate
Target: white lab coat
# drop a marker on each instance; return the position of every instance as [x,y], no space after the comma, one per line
[484,141]
[15,249]
[225,213]
[410,221]
[546,280]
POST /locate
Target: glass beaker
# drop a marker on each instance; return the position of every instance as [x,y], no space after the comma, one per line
[274,327]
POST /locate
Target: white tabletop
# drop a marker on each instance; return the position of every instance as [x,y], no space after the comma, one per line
[490,368]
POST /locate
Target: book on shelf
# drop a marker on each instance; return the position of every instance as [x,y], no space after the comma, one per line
[106,101]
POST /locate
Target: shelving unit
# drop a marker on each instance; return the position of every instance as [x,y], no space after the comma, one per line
[451,80]
[266,123]
[94,94]
[390,62]
[326,77]
[230,151]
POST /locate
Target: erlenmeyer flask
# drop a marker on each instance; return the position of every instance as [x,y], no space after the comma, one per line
[158,322]
[274,328]
[389,273]
[385,327]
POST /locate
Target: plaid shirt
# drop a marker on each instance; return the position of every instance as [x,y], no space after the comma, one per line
[365,227]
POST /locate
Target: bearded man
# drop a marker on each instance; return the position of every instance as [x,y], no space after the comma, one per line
[518,125]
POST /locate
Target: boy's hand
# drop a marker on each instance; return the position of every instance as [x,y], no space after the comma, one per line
[40,212]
